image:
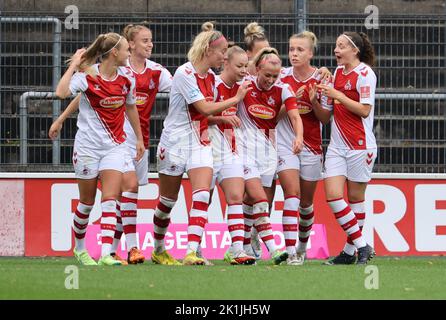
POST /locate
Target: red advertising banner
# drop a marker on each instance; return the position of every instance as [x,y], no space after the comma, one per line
[404,216]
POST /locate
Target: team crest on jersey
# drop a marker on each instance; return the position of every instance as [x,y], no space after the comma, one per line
[253,94]
[262,112]
[222,98]
[152,84]
[271,101]
[97,87]
[125,90]
[112,102]
[348,86]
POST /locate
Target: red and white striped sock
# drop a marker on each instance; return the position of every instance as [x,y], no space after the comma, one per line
[305,224]
[108,225]
[161,220]
[289,223]
[359,209]
[197,219]
[262,224]
[118,232]
[80,224]
[347,220]
[129,204]
[236,226]
[248,220]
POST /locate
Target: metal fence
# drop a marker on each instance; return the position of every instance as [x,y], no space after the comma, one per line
[411,68]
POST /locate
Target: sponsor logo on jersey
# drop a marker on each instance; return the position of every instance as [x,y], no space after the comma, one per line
[304,107]
[231,111]
[112,102]
[261,111]
[141,98]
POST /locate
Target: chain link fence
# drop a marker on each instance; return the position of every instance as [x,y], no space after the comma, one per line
[410,114]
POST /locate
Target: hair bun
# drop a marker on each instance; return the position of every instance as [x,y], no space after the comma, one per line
[207,26]
[253,28]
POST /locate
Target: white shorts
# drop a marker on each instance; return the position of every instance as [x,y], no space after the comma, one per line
[266,171]
[88,163]
[141,167]
[309,165]
[355,165]
[227,170]
[176,161]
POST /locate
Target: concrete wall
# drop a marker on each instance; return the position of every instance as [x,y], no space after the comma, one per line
[226,6]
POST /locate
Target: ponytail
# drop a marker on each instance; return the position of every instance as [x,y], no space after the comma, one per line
[253,33]
[267,55]
[368,53]
[203,41]
[99,49]
[362,42]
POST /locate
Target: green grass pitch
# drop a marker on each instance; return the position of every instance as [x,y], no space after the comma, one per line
[398,278]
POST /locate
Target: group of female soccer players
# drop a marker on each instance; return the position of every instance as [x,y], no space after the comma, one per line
[242,129]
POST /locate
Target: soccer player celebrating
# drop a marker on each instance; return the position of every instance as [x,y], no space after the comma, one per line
[255,40]
[299,173]
[352,149]
[108,92]
[184,145]
[228,166]
[258,113]
[150,78]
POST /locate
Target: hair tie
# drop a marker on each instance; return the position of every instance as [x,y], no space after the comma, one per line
[351,41]
[120,37]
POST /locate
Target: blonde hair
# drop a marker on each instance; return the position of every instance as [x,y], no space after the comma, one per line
[232,51]
[269,55]
[131,30]
[99,49]
[203,41]
[307,35]
[253,33]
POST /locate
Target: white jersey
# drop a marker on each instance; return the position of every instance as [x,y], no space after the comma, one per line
[184,125]
[222,136]
[102,107]
[153,79]
[348,130]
